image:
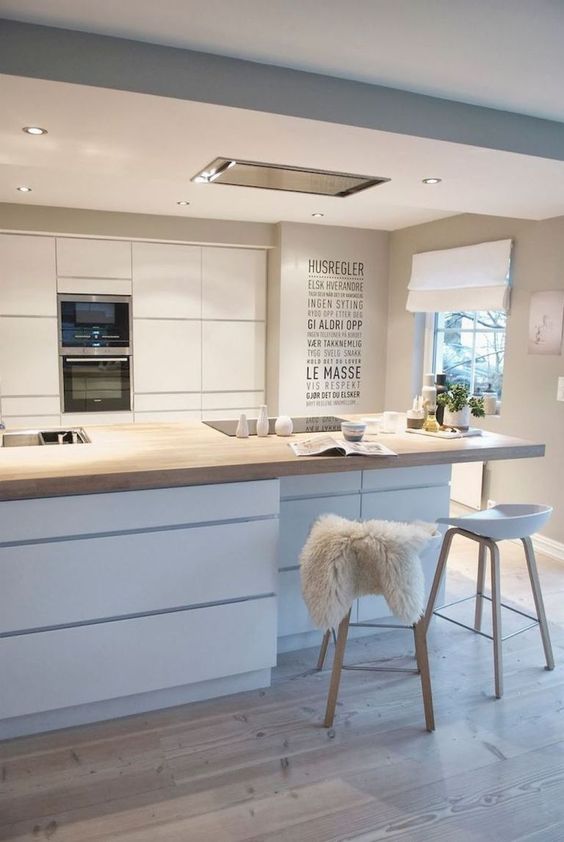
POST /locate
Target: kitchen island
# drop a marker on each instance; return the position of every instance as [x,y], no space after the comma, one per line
[158,564]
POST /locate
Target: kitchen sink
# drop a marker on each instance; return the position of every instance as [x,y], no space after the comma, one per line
[38,438]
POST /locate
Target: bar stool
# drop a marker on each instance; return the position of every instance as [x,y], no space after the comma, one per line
[487,527]
[343,560]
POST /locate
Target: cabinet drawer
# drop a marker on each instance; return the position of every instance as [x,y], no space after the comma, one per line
[320,484]
[87,514]
[57,669]
[407,505]
[390,478]
[66,582]
[297,517]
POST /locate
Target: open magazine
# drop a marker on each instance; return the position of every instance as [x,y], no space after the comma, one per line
[328,444]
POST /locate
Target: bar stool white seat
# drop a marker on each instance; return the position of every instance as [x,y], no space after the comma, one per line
[487,527]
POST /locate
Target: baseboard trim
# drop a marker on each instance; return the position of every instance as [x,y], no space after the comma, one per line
[548,546]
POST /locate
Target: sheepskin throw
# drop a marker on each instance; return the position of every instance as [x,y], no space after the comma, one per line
[344,559]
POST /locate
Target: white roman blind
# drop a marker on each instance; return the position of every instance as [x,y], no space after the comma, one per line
[466,278]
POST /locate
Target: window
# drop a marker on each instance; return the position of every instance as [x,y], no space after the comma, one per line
[469,348]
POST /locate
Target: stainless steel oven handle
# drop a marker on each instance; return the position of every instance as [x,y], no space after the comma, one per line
[96,358]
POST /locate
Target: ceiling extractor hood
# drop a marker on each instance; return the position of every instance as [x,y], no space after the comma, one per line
[280,177]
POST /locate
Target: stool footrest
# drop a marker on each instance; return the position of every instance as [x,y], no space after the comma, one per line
[380,669]
[481,633]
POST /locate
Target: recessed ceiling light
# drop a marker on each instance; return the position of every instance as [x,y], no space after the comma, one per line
[318,214]
[34,130]
[432,180]
[24,189]
[183,203]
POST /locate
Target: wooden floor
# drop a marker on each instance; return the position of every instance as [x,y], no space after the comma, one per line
[258,767]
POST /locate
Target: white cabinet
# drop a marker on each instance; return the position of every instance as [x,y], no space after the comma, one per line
[90,663]
[233,356]
[296,519]
[234,283]
[90,258]
[166,355]
[29,356]
[28,284]
[167,281]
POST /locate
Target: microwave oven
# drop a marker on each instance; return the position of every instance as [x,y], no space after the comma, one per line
[94,325]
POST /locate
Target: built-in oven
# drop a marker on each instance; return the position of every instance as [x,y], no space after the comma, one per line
[101,322]
[95,352]
[96,383]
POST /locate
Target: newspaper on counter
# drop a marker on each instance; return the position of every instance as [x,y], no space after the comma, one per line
[340,447]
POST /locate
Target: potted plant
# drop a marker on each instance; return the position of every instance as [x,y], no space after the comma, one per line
[458,405]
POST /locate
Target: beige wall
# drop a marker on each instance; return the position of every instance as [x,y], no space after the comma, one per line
[134,226]
[529,406]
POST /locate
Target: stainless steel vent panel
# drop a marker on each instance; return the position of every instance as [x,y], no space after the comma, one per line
[278,177]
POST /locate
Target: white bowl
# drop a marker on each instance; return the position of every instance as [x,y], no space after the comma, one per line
[353,430]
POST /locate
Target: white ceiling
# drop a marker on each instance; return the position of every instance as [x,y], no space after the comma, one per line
[505,54]
[121,151]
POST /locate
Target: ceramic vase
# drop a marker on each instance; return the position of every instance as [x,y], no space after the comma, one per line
[242,431]
[460,419]
[263,426]
[284,426]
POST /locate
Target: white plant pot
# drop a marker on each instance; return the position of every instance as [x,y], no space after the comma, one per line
[460,419]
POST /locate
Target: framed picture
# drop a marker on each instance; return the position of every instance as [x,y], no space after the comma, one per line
[546,316]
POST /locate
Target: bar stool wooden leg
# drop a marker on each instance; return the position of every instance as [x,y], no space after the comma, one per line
[480,584]
[539,603]
[422,656]
[496,619]
[323,650]
[336,672]
[439,573]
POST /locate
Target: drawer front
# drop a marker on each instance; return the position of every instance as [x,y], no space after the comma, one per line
[293,616]
[298,516]
[87,514]
[320,484]
[69,667]
[390,478]
[65,582]
[407,505]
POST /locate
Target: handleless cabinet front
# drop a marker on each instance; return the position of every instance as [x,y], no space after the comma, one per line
[29,356]
[167,281]
[28,283]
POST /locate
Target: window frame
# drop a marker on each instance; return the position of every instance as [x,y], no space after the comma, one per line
[430,347]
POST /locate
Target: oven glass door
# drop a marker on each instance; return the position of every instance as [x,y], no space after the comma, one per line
[96,384]
[102,323]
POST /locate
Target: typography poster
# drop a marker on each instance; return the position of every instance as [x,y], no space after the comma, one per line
[334,331]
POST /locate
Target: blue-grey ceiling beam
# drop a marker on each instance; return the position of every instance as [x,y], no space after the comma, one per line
[102,61]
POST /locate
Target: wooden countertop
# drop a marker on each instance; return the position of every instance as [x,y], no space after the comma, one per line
[134,456]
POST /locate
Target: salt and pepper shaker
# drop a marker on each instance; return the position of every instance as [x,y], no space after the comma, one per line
[263,426]
[242,431]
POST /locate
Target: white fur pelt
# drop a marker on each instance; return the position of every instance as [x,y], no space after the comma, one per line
[343,559]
